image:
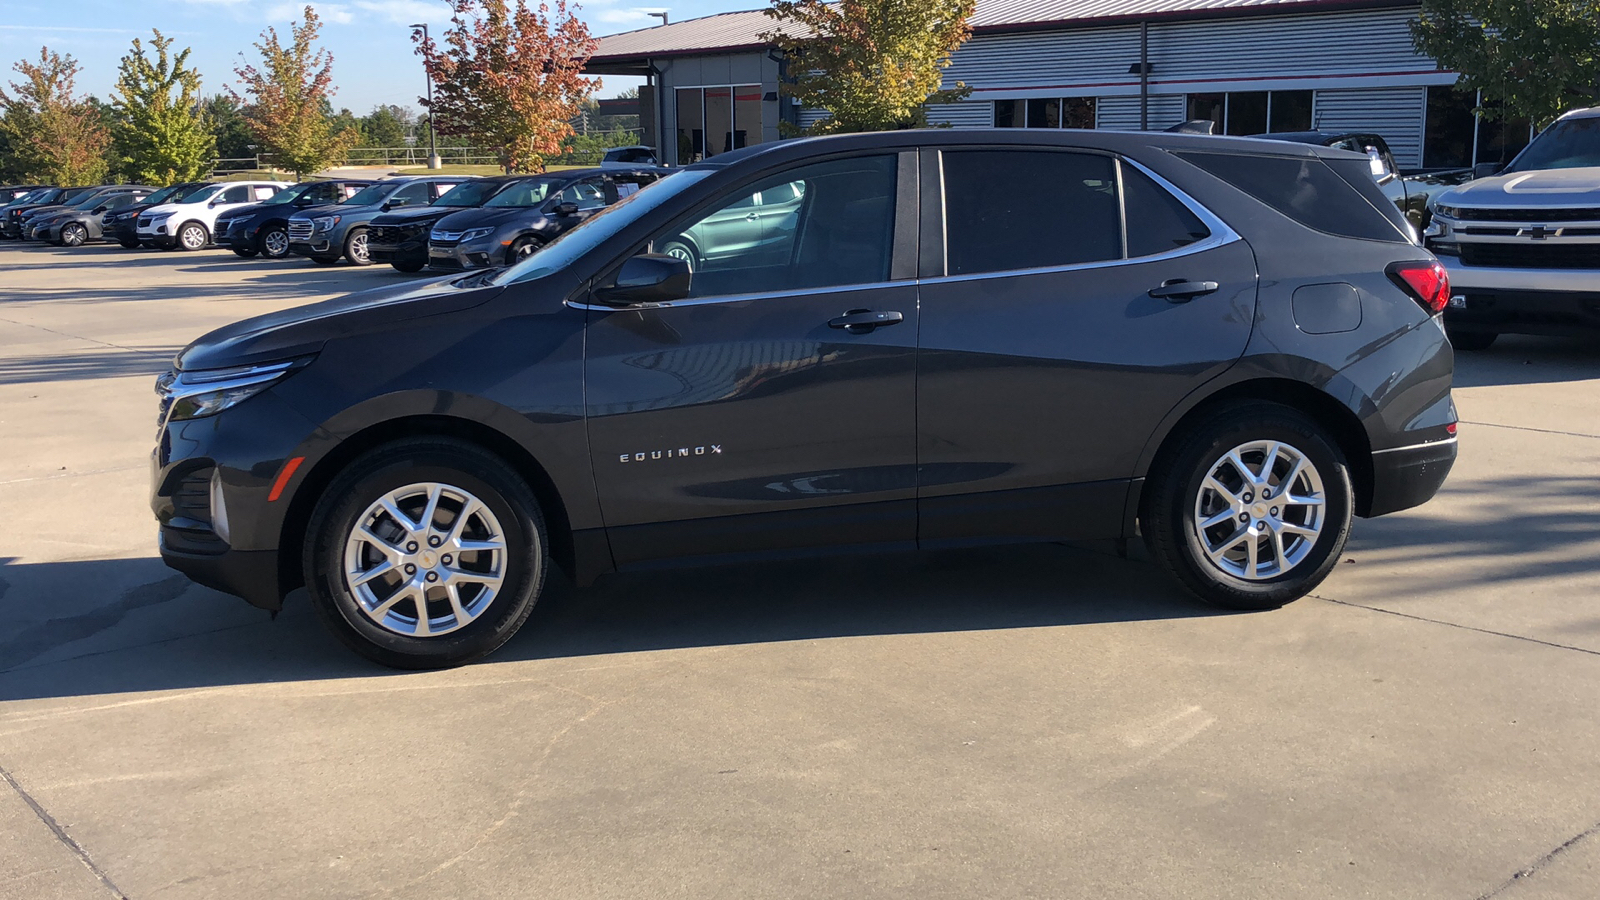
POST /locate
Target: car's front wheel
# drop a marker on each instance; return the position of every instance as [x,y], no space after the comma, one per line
[426,553]
[73,234]
[1251,508]
[681,250]
[522,249]
[355,248]
[193,236]
[274,242]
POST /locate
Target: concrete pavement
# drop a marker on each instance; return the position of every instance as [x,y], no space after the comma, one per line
[1012,722]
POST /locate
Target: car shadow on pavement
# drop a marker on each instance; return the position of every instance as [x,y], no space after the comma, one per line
[160,632]
[1521,359]
[100,362]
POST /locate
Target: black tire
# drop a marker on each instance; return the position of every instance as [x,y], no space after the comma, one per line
[355,247]
[244,252]
[129,244]
[191,236]
[1471,341]
[74,234]
[408,266]
[1168,513]
[323,260]
[682,250]
[270,237]
[393,466]
[522,249]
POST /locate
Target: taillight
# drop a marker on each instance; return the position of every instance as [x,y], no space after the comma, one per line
[1427,282]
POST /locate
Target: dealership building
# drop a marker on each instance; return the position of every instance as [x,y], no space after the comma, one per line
[1250,66]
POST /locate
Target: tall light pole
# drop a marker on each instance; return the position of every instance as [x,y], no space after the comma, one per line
[433,137]
[660,15]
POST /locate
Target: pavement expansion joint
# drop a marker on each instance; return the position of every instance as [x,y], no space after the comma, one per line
[1504,634]
[1543,861]
[61,834]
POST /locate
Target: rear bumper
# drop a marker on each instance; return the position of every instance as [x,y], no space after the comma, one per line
[1409,476]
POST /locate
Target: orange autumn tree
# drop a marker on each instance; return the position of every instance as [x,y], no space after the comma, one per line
[285,102]
[509,77]
[55,135]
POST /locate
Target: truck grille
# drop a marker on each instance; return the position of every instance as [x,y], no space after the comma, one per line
[1532,256]
[299,231]
[1481,214]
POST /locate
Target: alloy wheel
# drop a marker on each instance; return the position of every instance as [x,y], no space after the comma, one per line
[193,237]
[358,249]
[73,235]
[1260,510]
[275,243]
[425,559]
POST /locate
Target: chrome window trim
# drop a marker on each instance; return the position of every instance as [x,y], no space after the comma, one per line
[743,298]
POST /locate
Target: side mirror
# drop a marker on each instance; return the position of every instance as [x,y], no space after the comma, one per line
[97,210]
[396,202]
[1484,170]
[648,278]
[303,200]
[566,209]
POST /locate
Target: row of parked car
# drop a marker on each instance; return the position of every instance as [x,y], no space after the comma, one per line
[443,222]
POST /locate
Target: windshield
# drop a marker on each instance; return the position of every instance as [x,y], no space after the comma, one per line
[1567,144]
[469,193]
[372,194]
[89,200]
[174,192]
[202,195]
[288,194]
[523,193]
[597,229]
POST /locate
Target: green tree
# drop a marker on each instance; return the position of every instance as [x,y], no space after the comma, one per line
[1531,60]
[225,120]
[159,133]
[387,126]
[287,107]
[872,64]
[54,135]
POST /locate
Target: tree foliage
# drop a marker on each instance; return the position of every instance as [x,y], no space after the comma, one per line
[53,135]
[872,64]
[510,77]
[228,127]
[159,133]
[1530,59]
[285,101]
[387,126]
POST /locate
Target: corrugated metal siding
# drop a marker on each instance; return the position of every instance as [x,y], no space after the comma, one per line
[962,114]
[809,117]
[1122,113]
[1357,42]
[1395,113]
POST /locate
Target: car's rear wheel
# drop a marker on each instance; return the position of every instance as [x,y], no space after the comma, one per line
[522,249]
[355,248]
[1251,508]
[274,242]
[426,553]
[1471,340]
[192,236]
[73,234]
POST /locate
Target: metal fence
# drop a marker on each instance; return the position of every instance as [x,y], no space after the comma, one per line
[583,148]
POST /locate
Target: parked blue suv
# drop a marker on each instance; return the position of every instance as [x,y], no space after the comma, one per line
[324,234]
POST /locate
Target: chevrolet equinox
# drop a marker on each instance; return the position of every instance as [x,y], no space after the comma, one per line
[934,338]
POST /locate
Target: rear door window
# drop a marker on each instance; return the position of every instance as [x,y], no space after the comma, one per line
[1157,221]
[1022,209]
[239,194]
[1308,191]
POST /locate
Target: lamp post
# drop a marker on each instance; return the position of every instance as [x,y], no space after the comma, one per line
[660,15]
[433,139]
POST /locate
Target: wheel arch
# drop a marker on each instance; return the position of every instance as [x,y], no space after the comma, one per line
[292,532]
[1341,422]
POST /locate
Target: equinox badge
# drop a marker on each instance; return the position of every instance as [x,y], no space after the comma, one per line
[712,449]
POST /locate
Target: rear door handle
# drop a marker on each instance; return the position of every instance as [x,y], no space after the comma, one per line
[861,321]
[1180,291]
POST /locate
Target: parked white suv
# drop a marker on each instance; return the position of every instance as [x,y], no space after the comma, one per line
[187,224]
[1523,246]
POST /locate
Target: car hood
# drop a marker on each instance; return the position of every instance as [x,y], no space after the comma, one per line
[162,209]
[43,210]
[248,209]
[420,215]
[327,209]
[487,217]
[1546,187]
[303,330]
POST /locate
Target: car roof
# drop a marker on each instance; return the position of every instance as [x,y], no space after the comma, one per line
[1316,137]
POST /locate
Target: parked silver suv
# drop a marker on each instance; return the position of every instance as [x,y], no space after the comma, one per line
[1523,246]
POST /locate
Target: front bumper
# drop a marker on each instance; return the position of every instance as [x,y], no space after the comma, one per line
[412,250]
[457,257]
[1409,476]
[316,245]
[237,237]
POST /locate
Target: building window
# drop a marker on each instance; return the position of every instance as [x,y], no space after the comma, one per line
[1253,112]
[1045,112]
[1454,137]
[713,120]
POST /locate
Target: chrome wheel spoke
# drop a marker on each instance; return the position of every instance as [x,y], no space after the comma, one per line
[1292,528]
[1219,551]
[1292,500]
[1228,496]
[1268,461]
[1279,558]
[453,591]
[1273,546]
[382,609]
[383,568]
[1226,515]
[390,551]
[400,518]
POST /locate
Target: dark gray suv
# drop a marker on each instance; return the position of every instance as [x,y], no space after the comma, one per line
[1229,346]
[326,234]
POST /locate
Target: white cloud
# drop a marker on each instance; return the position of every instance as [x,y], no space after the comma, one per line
[336,13]
[404,12]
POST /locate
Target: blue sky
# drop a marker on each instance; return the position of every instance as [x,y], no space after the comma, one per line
[372,51]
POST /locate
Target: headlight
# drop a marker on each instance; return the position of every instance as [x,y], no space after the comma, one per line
[324,223]
[194,395]
[473,234]
[1449,212]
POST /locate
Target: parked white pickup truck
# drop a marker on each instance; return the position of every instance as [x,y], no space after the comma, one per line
[1523,246]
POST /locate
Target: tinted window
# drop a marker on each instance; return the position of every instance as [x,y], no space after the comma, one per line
[1157,221]
[415,194]
[236,195]
[1566,144]
[523,193]
[836,228]
[1307,191]
[589,193]
[471,193]
[1009,210]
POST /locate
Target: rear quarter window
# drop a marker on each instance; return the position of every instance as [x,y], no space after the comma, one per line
[1306,190]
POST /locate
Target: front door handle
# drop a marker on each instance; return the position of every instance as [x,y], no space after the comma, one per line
[1180,291]
[861,321]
